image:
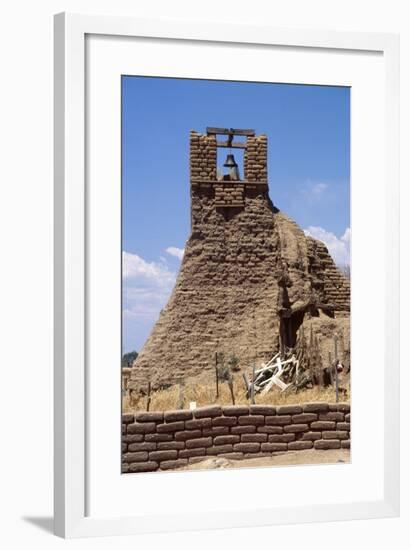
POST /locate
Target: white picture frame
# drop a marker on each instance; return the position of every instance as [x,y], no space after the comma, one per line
[71,435]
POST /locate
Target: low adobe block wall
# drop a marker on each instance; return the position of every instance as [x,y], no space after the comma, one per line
[168,440]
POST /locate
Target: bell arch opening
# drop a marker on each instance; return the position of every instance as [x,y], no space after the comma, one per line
[230,163]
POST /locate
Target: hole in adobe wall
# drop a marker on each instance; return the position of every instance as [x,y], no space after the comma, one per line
[289,327]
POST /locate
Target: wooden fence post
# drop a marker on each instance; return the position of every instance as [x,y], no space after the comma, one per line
[230,384]
[336,373]
[247,386]
[253,386]
[216,375]
[312,364]
[331,368]
[149,396]
[342,349]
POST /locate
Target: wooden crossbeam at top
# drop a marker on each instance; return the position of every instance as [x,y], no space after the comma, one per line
[230,131]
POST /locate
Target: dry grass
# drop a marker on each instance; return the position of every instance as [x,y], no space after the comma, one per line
[204,394]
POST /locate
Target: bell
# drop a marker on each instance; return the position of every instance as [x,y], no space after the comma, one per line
[230,162]
[233,168]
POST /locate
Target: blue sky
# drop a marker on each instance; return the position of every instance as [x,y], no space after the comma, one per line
[308,129]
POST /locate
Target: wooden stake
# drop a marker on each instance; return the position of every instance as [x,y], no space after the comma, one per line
[319,365]
[149,396]
[247,386]
[331,368]
[253,386]
[336,373]
[342,349]
[311,354]
[230,384]
[216,375]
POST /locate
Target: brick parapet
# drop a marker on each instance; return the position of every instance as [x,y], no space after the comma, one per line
[202,156]
[256,158]
[166,441]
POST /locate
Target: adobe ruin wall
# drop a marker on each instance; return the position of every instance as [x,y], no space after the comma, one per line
[248,271]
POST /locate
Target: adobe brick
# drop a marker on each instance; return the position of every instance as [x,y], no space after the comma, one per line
[170,445]
[304,418]
[243,429]
[333,415]
[254,438]
[315,407]
[311,436]
[163,455]
[235,410]
[143,466]
[141,428]
[171,416]
[135,457]
[326,444]
[274,447]
[200,442]
[143,446]
[266,410]
[254,420]
[247,447]
[171,427]
[299,445]
[226,439]
[284,438]
[296,428]
[334,435]
[149,417]
[188,434]
[205,412]
[323,425]
[224,421]
[277,430]
[289,409]
[278,420]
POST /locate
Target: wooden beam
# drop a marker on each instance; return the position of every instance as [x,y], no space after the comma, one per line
[236,145]
[230,131]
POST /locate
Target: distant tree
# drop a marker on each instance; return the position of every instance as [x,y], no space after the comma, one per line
[128,359]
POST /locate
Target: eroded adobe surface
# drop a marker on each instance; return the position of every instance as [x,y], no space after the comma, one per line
[249,277]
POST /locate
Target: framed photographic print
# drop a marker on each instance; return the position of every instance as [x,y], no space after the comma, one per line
[226,269]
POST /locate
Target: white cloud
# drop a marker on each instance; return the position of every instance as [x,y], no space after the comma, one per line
[146,286]
[319,188]
[174,251]
[339,248]
[135,267]
[314,190]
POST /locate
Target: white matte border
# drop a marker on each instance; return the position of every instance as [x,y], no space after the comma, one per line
[70,504]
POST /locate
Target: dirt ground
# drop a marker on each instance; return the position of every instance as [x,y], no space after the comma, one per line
[288,458]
